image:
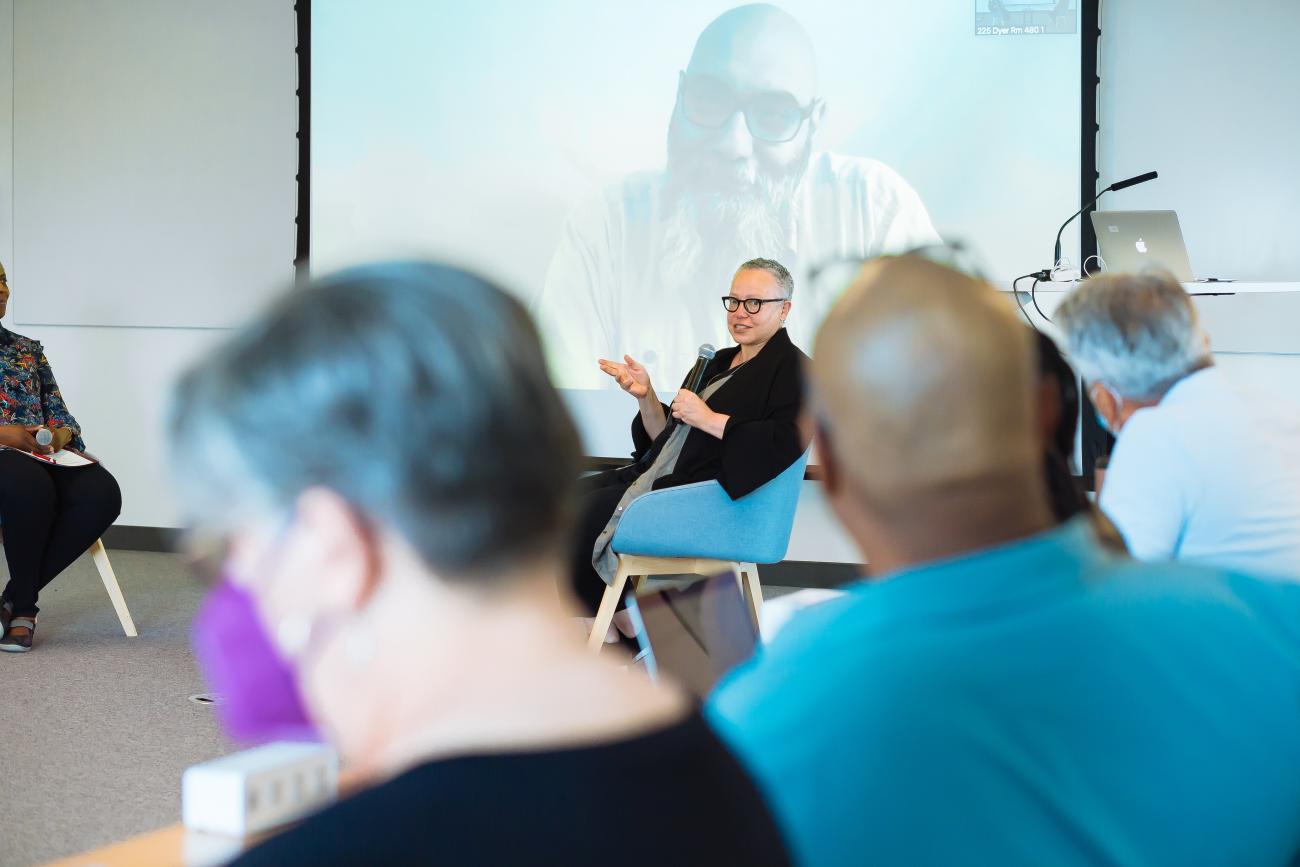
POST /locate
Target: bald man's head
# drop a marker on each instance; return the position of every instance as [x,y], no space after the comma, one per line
[923,384]
[740,142]
[758,47]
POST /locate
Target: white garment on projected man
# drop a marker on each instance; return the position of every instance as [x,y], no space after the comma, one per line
[642,268]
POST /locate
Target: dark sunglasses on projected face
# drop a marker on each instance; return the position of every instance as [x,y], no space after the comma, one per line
[772,116]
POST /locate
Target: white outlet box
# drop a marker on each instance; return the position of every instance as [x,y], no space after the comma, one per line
[258,789]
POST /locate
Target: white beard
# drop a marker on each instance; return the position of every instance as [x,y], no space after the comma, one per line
[707,235]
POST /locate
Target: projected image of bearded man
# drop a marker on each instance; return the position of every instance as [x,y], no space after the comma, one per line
[728,191]
[640,270]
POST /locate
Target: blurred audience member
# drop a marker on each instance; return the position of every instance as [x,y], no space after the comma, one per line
[1002,690]
[1201,469]
[1058,419]
[1057,422]
[388,471]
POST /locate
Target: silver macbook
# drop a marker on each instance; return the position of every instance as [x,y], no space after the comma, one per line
[1137,240]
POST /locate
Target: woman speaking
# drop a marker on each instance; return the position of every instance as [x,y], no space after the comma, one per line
[49,515]
[742,429]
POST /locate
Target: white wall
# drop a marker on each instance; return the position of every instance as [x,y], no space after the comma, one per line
[115,379]
[1206,95]
[155,138]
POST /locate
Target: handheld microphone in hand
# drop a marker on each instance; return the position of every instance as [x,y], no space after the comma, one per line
[1115,187]
[696,378]
[44,437]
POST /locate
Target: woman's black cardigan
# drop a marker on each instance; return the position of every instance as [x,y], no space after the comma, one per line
[764,398]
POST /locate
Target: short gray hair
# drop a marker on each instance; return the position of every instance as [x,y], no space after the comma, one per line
[1137,333]
[776,269]
[417,392]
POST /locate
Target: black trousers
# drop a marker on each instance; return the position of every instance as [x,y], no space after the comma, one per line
[598,499]
[49,516]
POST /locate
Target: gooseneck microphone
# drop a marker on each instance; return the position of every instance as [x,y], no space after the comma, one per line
[1133,181]
[1115,187]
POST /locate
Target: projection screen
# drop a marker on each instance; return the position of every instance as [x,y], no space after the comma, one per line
[612,163]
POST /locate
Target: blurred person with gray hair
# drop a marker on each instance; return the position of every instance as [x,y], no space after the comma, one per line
[383,474]
[1001,689]
[1202,469]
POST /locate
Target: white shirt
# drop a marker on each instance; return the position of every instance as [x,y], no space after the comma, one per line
[1210,474]
[606,293]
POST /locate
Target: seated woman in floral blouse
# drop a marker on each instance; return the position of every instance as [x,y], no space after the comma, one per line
[49,515]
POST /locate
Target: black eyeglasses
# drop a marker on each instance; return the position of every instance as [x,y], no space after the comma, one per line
[752,305]
[772,115]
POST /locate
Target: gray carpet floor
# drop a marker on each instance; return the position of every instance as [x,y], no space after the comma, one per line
[95,727]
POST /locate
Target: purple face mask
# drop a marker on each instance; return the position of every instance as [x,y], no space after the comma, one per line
[259,699]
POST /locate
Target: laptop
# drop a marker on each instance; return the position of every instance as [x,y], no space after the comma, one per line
[694,634]
[1135,241]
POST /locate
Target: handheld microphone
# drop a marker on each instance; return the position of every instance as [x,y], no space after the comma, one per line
[44,437]
[1118,185]
[694,380]
[696,377]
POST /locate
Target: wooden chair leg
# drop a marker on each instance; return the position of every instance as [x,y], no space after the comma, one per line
[608,605]
[100,556]
[753,593]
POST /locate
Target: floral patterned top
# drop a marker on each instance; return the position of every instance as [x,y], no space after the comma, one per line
[28,393]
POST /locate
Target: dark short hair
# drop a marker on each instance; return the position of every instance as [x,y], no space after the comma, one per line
[776,269]
[418,392]
[1053,368]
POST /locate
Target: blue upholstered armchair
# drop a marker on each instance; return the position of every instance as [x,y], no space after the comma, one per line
[699,530]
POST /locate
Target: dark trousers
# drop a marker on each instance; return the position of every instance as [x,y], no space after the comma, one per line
[49,516]
[596,505]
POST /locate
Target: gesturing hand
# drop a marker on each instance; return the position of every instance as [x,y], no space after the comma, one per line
[689,408]
[630,376]
[19,437]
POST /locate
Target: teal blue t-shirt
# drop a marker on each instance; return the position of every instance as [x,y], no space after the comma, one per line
[1039,703]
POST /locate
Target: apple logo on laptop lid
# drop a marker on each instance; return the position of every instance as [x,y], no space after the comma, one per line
[1141,245]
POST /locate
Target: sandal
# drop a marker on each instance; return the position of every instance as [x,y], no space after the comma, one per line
[18,635]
